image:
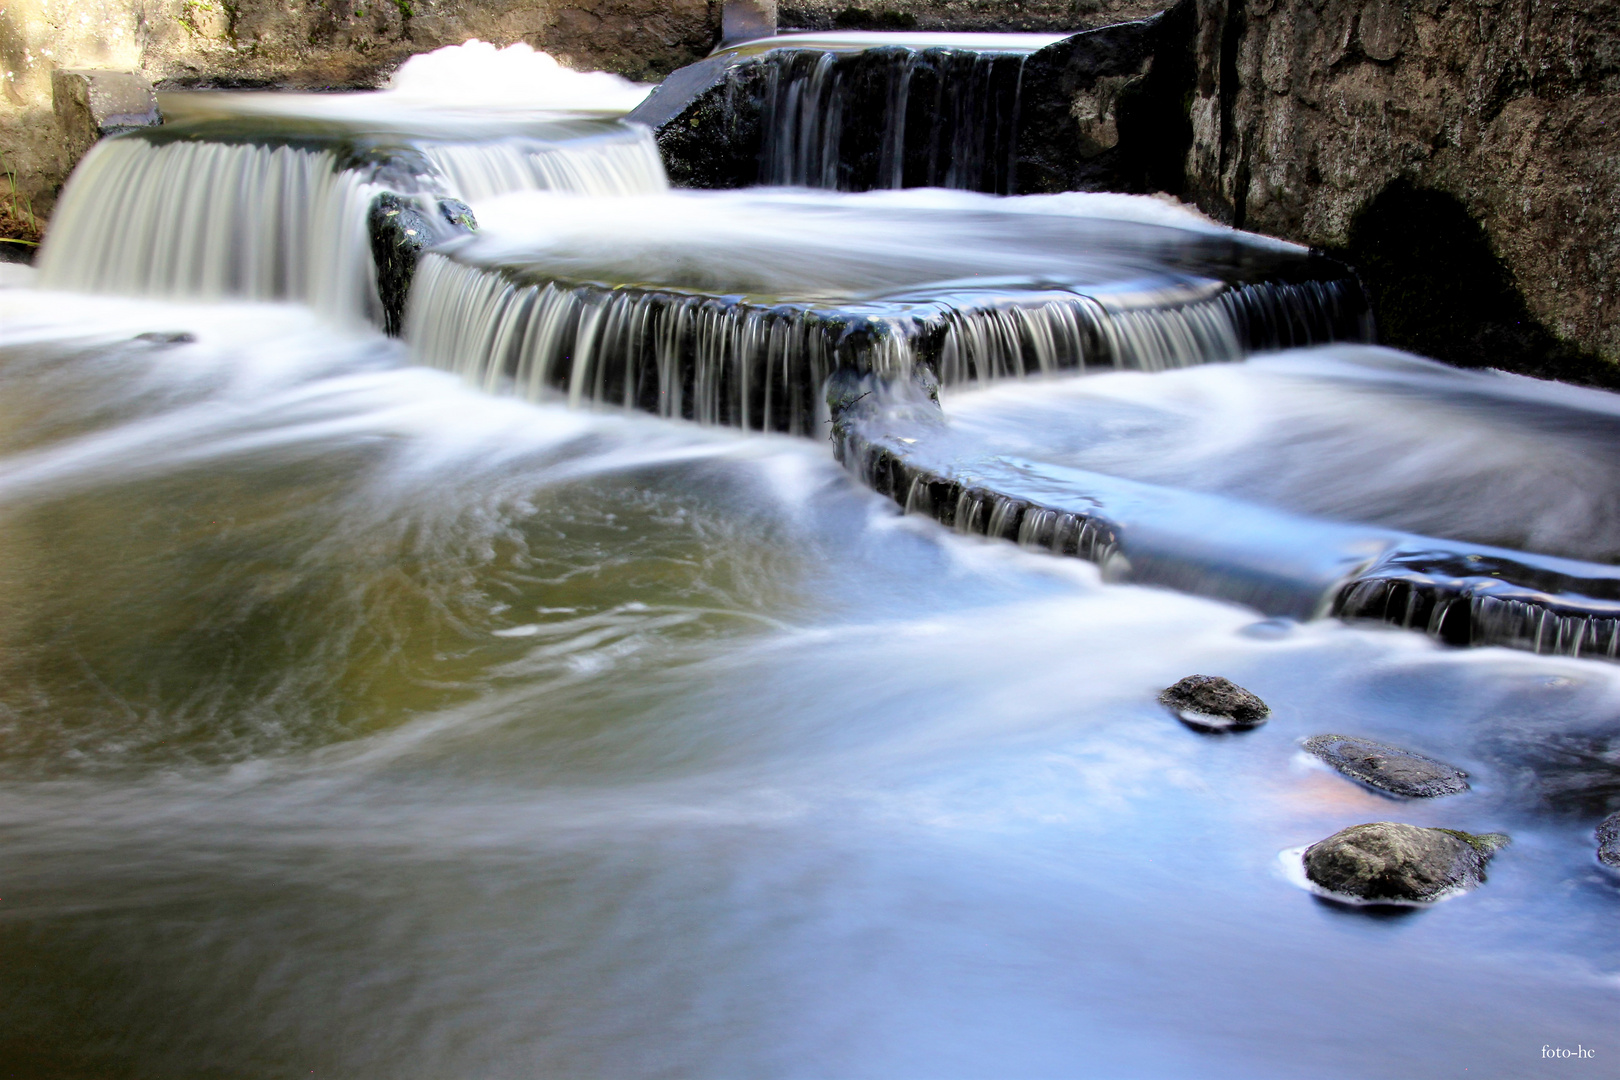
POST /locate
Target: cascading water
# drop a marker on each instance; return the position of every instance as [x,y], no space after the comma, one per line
[620,163]
[735,309]
[265,196]
[890,117]
[358,721]
[214,220]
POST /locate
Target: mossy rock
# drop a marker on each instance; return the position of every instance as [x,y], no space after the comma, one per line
[1389,862]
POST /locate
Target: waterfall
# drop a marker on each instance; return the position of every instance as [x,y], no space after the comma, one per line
[1068,331]
[1538,603]
[890,117]
[676,355]
[721,360]
[204,219]
[212,220]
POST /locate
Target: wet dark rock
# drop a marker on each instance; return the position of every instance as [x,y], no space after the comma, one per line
[1389,862]
[1388,768]
[1213,702]
[1608,838]
[706,117]
[1105,110]
[400,231]
[164,339]
[458,214]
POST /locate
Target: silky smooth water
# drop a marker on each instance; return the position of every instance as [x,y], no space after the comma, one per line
[1361,435]
[356,722]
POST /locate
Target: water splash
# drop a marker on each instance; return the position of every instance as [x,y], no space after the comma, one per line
[515,77]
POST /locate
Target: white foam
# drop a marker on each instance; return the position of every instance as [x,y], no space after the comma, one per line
[516,77]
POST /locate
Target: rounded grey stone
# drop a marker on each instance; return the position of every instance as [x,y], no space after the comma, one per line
[1390,862]
[1388,768]
[1608,838]
[1214,702]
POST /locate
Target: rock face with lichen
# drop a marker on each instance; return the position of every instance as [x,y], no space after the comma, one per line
[1390,862]
[1388,768]
[1430,139]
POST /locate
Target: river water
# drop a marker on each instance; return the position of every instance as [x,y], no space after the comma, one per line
[356,722]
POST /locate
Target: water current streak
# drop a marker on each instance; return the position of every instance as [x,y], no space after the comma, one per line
[1539,604]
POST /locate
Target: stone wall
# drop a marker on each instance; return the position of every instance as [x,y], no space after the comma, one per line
[1389,128]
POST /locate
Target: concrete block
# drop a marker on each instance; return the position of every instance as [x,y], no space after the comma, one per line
[90,104]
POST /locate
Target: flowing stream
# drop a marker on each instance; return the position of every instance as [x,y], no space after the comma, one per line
[536,695]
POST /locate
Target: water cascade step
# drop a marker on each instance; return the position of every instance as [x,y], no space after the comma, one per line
[240,197]
[1227,543]
[1000,113]
[735,308]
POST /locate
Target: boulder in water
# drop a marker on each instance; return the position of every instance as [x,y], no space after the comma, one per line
[1389,862]
[1388,768]
[400,231]
[1608,838]
[1214,703]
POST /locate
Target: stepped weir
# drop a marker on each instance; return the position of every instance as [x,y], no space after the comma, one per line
[546,256]
[515,584]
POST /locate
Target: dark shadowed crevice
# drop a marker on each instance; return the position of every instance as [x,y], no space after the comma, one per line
[1232,30]
[1438,288]
[1155,127]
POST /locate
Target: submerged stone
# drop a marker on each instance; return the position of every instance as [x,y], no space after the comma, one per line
[1391,862]
[1214,702]
[1388,768]
[1608,838]
[165,338]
